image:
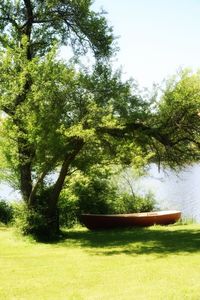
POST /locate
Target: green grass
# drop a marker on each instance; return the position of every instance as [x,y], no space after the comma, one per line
[156,263]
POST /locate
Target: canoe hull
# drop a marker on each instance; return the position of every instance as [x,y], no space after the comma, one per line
[95,222]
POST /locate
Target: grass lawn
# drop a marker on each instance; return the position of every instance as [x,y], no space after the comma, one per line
[155,263]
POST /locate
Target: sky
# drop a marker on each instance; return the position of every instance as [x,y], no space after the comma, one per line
[156,37]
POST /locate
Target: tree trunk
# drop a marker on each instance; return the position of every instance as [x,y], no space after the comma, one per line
[53,213]
[25,157]
[53,226]
[42,223]
[43,209]
[69,158]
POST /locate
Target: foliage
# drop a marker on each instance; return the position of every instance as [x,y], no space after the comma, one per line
[32,221]
[68,210]
[20,216]
[96,193]
[89,192]
[126,203]
[66,22]
[6,212]
[178,117]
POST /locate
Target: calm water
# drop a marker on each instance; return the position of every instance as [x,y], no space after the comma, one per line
[7,193]
[180,192]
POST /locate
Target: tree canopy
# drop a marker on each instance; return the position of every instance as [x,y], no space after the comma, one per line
[179,119]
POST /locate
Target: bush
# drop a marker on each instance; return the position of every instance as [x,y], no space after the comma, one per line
[86,195]
[6,212]
[35,221]
[126,203]
[25,220]
[98,195]
[68,211]
[20,215]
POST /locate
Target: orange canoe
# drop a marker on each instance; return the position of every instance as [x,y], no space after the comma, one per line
[95,221]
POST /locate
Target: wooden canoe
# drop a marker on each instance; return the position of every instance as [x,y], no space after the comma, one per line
[95,221]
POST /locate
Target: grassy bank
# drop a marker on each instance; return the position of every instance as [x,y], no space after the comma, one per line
[155,263]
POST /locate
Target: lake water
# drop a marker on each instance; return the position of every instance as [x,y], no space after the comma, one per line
[180,192]
[7,193]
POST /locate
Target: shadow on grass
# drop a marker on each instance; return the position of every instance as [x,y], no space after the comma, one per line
[155,240]
[3,227]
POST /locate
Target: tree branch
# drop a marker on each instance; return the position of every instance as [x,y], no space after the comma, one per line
[130,128]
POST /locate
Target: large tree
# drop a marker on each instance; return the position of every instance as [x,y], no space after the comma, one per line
[29,30]
[56,119]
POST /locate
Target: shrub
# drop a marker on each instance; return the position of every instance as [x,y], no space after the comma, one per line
[6,212]
[85,195]
[68,211]
[33,221]
[98,195]
[23,217]
[126,203]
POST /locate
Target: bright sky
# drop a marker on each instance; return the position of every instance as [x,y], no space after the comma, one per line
[156,37]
